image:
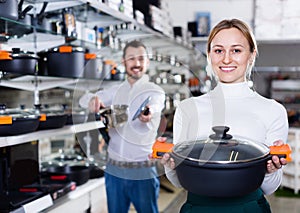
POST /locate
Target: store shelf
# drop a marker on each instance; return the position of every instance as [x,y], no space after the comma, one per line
[54,4]
[37,205]
[87,187]
[36,42]
[68,129]
[39,83]
[89,196]
[291,175]
[286,85]
[141,27]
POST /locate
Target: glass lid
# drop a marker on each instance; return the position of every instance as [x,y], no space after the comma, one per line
[220,147]
[15,113]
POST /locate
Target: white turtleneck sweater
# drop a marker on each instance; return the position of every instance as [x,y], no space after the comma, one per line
[249,116]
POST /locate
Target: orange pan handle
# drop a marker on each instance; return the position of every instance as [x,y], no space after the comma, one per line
[160,147]
[283,151]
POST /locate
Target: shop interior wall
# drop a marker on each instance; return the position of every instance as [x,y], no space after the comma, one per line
[184,11]
[274,23]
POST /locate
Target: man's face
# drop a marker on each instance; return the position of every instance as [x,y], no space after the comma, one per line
[136,62]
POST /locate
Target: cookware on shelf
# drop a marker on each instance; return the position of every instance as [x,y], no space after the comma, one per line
[75,115]
[9,9]
[80,174]
[18,61]
[71,160]
[15,121]
[221,166]
[40,22]
[50,118]
[93,66]
[65,61]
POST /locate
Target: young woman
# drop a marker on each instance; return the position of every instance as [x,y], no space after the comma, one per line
[231,51]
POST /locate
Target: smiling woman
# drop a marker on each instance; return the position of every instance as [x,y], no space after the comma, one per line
[231,52]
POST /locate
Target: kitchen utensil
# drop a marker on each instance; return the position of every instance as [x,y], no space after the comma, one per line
[9,9]
[78,174]
[115,115]
[141,108]
[221,166]
[51,118]
[65,61]
[22,25]
[18,61]
[75,115]
[16,121]
[93,66]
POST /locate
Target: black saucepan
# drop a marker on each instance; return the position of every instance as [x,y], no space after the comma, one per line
[18,61]
[65,61]
[221,166]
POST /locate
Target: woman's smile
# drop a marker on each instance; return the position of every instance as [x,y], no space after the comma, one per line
[227,68]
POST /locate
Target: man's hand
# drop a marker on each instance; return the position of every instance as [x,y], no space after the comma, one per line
[95,104]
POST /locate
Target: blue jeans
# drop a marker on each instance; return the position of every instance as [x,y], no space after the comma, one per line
[137,186]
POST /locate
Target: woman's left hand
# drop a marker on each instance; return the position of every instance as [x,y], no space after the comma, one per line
[276,163]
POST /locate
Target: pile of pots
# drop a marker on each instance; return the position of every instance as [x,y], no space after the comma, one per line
[62,61]
[66,61]
[16,121]
[70,61]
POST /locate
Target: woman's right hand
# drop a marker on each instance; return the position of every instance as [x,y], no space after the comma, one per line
[166,160]
[95,104]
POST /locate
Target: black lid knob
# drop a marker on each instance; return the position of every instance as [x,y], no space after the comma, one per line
[2,106]
[220,133]
[38,106]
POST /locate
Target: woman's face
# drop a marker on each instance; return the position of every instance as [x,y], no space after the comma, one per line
[230,56]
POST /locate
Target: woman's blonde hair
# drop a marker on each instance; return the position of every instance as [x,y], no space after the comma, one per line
[244,29]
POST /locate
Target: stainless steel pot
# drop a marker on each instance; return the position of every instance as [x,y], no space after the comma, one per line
[115,115]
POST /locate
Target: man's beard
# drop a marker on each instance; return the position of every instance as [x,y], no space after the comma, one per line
[135,77]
